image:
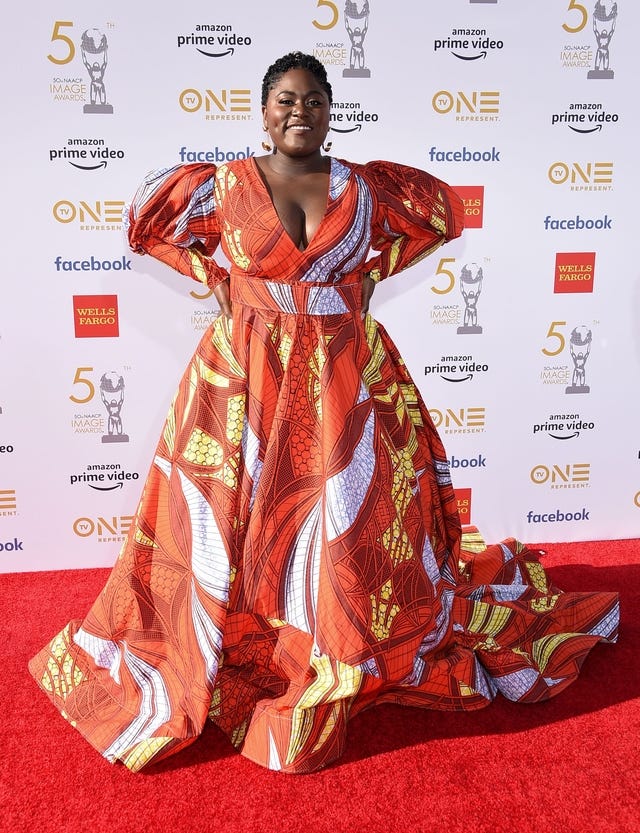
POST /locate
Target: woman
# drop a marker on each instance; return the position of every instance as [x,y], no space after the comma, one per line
[296,555]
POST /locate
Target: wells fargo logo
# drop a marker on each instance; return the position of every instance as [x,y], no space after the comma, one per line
[575,271]
[96,316]
[478,105]
[568,476]
[463,499]
[231,104]
[473,198]
[582,176]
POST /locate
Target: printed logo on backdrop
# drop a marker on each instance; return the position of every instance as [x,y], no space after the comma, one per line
[214,40]
[99,399]
[463,500]
[582,176]
[97,215]
[573,377]
[562,476]
[468,280]
[591,49]
[467,105]
[472,197]
[72,46]
[103,530]
[85,154]
[578,223]
[91,263]
[103,477]
[350,53]
[636,499]
[8,503]
[226,104]
[456,368]
[6,449]
[350,117]
[558,516]
[468,44]
[468,420]
[563,426]
[96,316]
[584,117]
[215,154]
[574,272]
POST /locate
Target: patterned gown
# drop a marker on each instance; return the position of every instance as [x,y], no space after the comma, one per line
[296,554]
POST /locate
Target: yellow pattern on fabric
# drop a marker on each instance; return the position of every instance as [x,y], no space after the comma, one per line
[316,363]
[371,372]
[214,706]
[545,604]
[220,339]
[210,376]
[334,681]
[411,403]
[537,576]
[466,690]
[488,619]
[329,725]
[142,752]
[143,539]
[382,614]
[472,541]
[169,433]
[203,449]
[238,734]
[544,648]
[62,675]
[197,267]
[394,252]
[235,418]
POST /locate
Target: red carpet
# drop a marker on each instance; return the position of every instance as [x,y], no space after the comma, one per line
[571,764]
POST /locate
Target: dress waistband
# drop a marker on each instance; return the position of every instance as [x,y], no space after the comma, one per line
[297,298]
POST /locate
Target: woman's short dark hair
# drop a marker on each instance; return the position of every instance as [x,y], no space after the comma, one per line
[295,60]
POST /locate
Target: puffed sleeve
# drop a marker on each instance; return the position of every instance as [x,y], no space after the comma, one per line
[413,214]
[172,217]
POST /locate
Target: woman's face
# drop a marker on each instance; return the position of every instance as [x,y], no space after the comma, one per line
[297,114]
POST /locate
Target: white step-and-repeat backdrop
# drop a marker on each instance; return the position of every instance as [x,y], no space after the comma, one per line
[522,335]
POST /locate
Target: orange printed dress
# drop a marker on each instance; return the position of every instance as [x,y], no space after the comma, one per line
[296,553]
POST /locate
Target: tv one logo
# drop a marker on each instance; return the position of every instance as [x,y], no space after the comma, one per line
[582,175]
[101,212]
[8,501]
[479,105]
[460,420]
[105,530]
[222,103]
[575,272]
[568,476]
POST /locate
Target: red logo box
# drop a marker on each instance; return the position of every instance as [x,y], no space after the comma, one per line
[463,499]
[473,198]
[575,271]
[96,316]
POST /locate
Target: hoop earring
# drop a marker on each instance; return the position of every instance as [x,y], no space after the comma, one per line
[327,146]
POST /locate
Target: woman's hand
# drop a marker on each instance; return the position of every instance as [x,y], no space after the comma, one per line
[368,285]
[223,297]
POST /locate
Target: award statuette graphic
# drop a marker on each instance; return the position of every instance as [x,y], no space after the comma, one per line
[580,346]
[356,21]
[94,56]
[470,287]
[112,393]
[604,23]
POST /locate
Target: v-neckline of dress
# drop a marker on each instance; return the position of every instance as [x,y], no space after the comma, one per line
[259,176]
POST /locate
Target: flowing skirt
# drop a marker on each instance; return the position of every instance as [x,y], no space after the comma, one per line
[296,557]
